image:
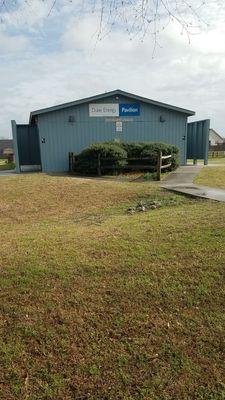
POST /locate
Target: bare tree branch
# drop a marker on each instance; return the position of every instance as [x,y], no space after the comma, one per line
[136,17]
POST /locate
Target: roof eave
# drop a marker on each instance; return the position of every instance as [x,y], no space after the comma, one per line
[158,103]
[107,94]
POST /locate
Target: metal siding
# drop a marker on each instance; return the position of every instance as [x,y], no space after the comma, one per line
[113,94]
[28,145]
[198,140]
[15,145]
[61,136]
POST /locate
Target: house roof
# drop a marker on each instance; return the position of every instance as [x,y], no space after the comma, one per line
[216,133]
[5,143]
[108,94]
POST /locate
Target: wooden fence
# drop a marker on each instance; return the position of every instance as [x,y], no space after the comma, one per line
[217,147]
[135,164]
[216,154]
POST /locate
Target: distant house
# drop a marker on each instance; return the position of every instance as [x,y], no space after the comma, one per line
[215,138]
[5,144]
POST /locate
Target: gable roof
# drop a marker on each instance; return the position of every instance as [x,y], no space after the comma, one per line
[216,133]
[108,94]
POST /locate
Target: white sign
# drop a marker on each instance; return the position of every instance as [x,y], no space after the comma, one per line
[104,110]
[119,126]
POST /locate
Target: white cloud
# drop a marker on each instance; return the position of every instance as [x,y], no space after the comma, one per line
[26,14]
[186,75]
[10,44]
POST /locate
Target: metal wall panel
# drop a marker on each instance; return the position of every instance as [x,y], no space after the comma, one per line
[198,140]
[28,145]
[58,136]
[15,145]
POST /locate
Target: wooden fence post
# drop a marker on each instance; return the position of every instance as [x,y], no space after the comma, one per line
[159,165]
[99,165]
[72,158]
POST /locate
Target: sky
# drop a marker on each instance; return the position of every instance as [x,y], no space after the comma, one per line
[49,57]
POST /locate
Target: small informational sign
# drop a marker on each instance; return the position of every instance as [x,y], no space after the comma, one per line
[119,126]
[129,110]
[104,110]
[116,119]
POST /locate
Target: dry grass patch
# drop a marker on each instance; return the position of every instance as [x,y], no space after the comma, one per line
[98,304]
[37,197]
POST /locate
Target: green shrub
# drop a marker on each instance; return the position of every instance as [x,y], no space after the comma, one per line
[4,165]
[150,176]
[115,154]
[111,155]
[133,149]
[150,150]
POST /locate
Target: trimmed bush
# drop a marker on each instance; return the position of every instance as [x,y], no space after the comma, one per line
[133,149]
[111,156]
[115,154]
[150,150]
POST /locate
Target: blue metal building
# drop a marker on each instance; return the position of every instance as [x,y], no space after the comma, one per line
[53,132]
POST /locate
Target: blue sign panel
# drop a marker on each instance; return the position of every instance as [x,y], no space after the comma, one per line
[129,110]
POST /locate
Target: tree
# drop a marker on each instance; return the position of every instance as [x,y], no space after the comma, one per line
[140,17]
[135,17]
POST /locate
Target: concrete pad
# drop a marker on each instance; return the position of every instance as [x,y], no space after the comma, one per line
[199,191]
[8,172]
[183,175]
[181,181]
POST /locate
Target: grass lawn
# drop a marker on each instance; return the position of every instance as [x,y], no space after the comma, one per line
[5,166]
[212,176]
[212,160]
[217,160]
[103,305]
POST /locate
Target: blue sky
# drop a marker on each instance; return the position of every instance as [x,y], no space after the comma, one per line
[46,60]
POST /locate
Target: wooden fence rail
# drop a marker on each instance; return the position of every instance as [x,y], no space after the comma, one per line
[215,154]
[140,164]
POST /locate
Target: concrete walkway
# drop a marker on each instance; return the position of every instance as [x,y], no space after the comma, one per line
[8,172]
[181,181]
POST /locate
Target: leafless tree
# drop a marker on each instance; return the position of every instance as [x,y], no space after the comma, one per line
[136,17]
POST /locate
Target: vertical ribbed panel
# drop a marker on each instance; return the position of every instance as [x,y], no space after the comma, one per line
[198,140]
